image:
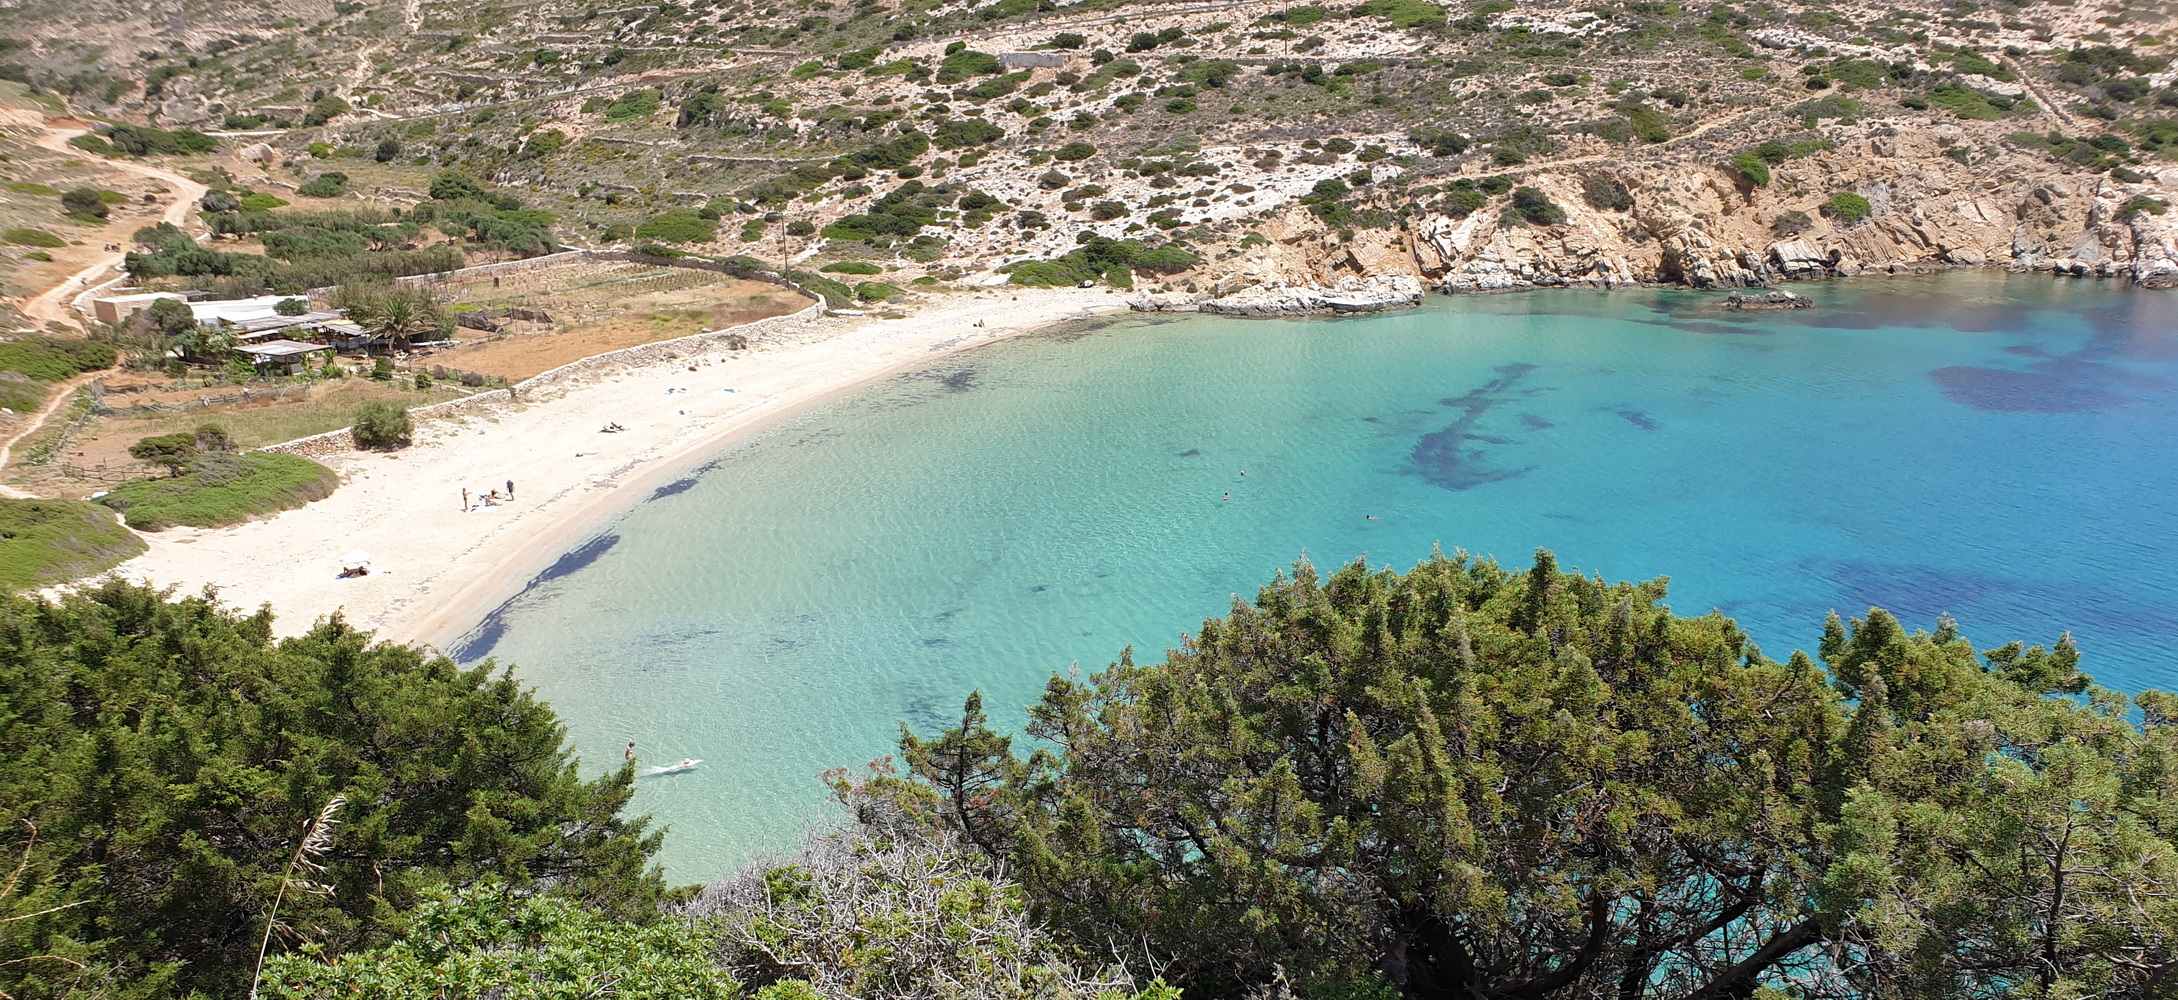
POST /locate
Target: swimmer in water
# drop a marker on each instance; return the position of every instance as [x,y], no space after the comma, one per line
[1373,517]
[1228,496]
[1243,473]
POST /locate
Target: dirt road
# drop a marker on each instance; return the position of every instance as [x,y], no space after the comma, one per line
[53,303]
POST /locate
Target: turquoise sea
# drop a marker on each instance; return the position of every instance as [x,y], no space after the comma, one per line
[2003,449]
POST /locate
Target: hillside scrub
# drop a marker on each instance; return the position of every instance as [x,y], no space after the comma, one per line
[681,225]
[44,542]
[1847,207]
[32,238]
[55,359]
[1101,257]
[217,490]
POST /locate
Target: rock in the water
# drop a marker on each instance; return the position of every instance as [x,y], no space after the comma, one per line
[1774,299]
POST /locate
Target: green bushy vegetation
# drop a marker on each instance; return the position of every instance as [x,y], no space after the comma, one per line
[1414,733]
[1106,259]
[382,426]
[965,63]
[1752,166]
[44,542]
[138,140]
[169,750]
[899,214]
[852,267]
[634,104]
[331,184]
[1535,208]
[1974,105]
[960,133]
[1847,207]
[681,225]
[1402,13]
[32,238]
[55,359]
[320,249]
[221,489]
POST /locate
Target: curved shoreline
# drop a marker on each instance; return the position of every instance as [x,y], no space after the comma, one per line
[440,570]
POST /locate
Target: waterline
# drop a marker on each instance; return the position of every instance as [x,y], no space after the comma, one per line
[1997,448]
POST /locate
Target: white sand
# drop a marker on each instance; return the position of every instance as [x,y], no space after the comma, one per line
[438,570]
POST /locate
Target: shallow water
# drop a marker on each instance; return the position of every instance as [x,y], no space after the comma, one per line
[2001,449]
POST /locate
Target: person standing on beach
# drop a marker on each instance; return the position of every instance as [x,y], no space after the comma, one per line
[464,499]
[510,489]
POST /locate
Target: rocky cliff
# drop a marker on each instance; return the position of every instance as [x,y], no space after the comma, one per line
[1954,195]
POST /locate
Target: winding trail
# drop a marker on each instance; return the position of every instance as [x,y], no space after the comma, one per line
[54,303]
[62,393]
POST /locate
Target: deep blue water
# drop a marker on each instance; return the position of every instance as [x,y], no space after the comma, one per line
[2000,449]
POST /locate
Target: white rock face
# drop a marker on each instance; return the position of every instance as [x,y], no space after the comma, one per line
[1351,295]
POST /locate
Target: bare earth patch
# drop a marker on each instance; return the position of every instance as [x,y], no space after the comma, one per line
[595,307]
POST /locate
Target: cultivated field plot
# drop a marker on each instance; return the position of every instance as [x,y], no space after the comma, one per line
[582,308]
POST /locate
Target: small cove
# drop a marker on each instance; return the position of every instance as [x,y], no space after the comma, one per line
[2003,449]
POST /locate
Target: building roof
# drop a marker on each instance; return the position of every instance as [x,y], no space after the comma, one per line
[138,297]
[238,310]
[265,326]
[280,349]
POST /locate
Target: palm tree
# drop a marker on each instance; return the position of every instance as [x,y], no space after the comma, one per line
[397,313]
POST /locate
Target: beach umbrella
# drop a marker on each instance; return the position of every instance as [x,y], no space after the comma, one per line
[355,559]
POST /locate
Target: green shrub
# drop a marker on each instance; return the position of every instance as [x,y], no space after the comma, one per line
[636,104]
[1536,207]
[331,184]
[84,201]
[1751,166]
[172,452]
[2142,203]
[960,133]
[382,426]
[1605,192]
[1847,207]
[961,65]
[1074,152]
[1401,13]
[875,291]
[44,542]
[259,202]
[32,238]
[524,946]
[1792,223]
[1648,123]
[852,267]
[53,359]
[681,225]
[222,489]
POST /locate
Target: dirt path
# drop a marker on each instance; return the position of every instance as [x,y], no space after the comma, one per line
[53,304]
[62,393]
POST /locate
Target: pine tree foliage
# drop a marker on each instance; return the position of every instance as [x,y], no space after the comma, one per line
[169,751]
[1484,783]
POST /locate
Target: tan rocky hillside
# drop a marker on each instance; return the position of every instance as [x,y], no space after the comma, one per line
[1230,145]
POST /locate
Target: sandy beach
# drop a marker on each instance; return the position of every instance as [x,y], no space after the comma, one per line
[437,569]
